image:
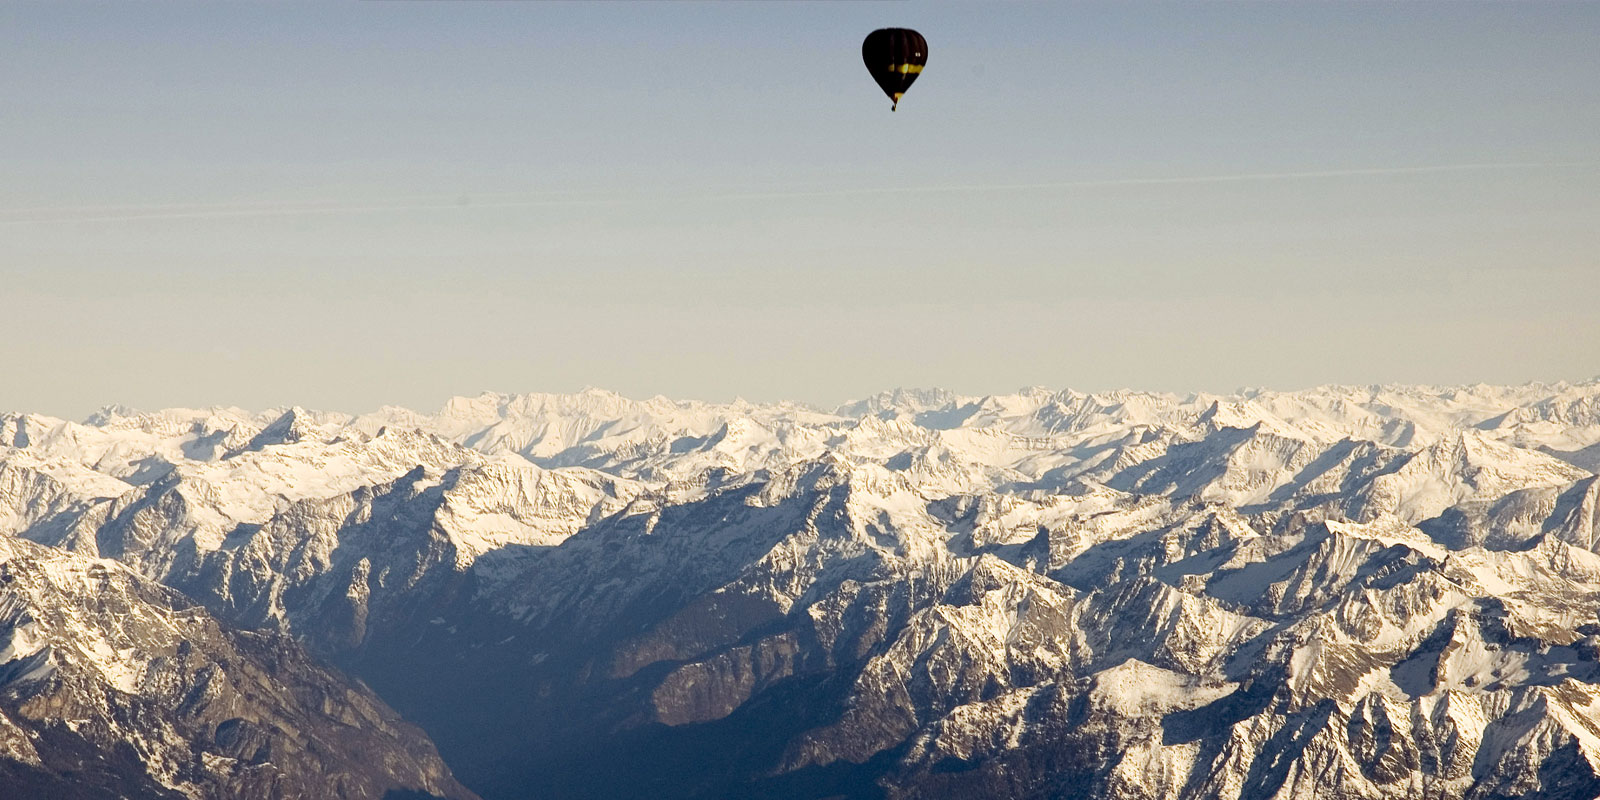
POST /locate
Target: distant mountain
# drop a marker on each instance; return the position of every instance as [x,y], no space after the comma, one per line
[1344,592]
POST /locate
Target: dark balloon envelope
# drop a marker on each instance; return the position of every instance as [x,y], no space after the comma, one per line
[895,56]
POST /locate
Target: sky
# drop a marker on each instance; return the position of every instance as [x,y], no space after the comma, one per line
[352,204]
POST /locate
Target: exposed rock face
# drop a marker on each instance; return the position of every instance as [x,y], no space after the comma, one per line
[1340,593]
[113,686]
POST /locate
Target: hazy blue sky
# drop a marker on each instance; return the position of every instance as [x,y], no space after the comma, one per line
[345,204]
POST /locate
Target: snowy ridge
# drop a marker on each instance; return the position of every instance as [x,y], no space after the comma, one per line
[1339,592]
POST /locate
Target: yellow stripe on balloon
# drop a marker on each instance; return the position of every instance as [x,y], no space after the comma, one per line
[906,69]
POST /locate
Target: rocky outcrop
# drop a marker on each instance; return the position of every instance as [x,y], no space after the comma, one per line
[113,686]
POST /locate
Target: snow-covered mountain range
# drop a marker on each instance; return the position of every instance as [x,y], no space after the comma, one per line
[1345,592]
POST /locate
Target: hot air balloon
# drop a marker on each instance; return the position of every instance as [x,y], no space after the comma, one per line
[895,57]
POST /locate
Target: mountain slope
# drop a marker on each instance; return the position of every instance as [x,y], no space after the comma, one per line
[109,684]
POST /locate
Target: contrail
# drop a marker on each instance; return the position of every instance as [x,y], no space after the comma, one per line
[245,205]
[443,202]
[293,210]
[1112,182]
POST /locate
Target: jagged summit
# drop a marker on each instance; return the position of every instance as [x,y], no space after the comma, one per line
[290,428]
